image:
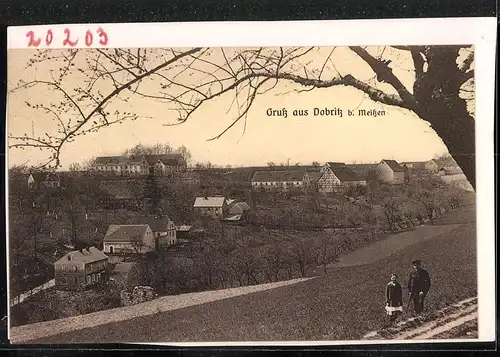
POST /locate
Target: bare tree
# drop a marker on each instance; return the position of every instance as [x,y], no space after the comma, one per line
[327,251]
[18,186]
[274,261]
[440,94]
[75,167]
[88,164]
[302,253]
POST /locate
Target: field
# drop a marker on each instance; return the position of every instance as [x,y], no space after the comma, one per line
[345,304]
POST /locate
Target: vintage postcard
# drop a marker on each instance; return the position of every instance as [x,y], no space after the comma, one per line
[251,183]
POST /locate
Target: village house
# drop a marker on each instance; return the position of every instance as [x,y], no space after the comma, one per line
[391,171]
[277,180]
[429,166]
[337,177]
[139,165]
[183,232]
[79,269]
[163,229]
[238,208]
[449,170]
[166,164]
[41,180]
[215,207]
[129,239]
[121,165]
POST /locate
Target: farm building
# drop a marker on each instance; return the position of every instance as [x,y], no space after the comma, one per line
[215,207]
[277,180]
[129,239]
[337,177]
[391,171]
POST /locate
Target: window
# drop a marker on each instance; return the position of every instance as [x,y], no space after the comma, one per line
[69,257]
[88,279]
[75,268]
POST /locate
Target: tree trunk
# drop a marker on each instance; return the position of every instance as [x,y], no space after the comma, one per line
[438,102]
[457,130]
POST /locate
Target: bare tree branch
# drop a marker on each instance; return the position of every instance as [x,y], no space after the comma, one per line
[384,74]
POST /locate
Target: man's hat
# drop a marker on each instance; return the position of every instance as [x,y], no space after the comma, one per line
[416,262]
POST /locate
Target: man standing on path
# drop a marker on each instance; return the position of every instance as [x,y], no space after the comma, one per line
[419,285]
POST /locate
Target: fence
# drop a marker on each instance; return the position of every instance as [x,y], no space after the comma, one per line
[20,298]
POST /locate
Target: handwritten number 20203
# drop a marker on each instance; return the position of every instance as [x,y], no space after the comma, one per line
[69,40]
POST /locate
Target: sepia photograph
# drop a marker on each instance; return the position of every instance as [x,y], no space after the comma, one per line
[212,194]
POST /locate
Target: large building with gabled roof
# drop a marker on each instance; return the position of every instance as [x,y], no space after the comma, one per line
[80,269]
[215,207]
[129,239]
[140,165]
[283,180]
[336,177]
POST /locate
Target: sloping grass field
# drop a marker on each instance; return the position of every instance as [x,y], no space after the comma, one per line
[345,304]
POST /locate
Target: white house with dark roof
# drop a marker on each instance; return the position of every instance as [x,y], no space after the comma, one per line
[129,239]
[215,207]
[391,171]
[121,165]
[163,229]
[278,180]
[165,164]
[79,269]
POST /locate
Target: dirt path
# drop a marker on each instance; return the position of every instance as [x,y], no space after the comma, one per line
[447,327]
[433,325]
[391,245]
[24,333]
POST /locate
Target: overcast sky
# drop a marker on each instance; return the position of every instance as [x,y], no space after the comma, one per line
[398,135]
